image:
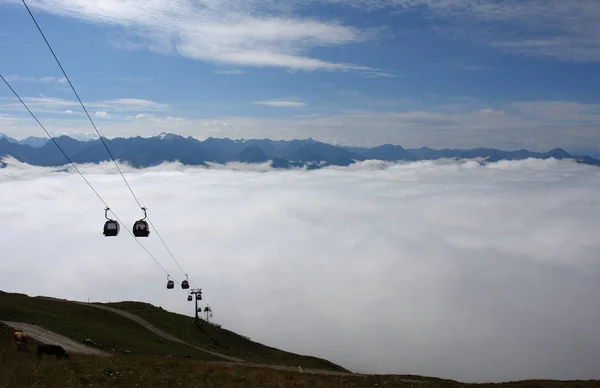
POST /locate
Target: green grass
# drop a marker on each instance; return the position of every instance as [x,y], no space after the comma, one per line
[79,322]
[148,366]
[221,340]
[20,369]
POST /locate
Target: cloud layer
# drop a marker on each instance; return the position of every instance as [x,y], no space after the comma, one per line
[436,268]
[242,32]
[272,33]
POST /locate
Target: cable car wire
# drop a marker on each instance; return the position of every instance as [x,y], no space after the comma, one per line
[78,171]
[101,138]
[80,102]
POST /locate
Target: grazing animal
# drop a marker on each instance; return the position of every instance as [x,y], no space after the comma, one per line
[90,342]
[20,339]
[56,350]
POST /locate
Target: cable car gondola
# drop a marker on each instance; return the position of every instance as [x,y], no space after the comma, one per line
[190,298]
[111,227]
[140,227]
[170,283]
[185,284]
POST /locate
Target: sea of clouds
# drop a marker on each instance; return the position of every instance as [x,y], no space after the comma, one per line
[454,269]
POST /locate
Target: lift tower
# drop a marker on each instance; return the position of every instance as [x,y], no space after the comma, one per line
[197,292]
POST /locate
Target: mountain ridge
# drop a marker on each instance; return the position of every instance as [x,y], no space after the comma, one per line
[168,147]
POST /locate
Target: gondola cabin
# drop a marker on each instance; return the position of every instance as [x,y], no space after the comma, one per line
[111,228]
[190,298]
[140,229]
[170,284]
[185,284]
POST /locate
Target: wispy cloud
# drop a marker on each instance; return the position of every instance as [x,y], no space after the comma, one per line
[239,32]
[230,72]
[377,74]
[565,30]
[464,66]
[281,103]
[47,79]
[136,79]
[143,116]
[559,111]
[535,125]
[58,105]
[101,114]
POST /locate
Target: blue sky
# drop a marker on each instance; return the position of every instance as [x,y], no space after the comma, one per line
[444,73]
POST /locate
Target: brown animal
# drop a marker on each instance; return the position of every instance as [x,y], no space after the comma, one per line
[20,339]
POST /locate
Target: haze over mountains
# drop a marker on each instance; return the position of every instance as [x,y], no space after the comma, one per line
[309,153]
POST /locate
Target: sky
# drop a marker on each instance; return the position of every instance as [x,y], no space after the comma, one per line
[438,73]
[448,269]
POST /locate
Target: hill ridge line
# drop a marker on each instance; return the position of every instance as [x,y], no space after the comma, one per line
[147,325]
[141,152]
[230,360]
[233,361]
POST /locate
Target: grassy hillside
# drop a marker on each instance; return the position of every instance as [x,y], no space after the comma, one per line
[20,369]
[154,362]
[221,340]
[79,322]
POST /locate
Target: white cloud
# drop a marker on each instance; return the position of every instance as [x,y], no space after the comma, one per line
[544,28]
[230,72]
[143,116]
[46,79]
[566,30]
[57,105]
[133,103]
[534,125]
[508,126]
[435,268]
[240,32]
[101,114]
[281,103]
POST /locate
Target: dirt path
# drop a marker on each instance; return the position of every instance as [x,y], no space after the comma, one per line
[230,360]
[48,337]
[148,326]
[156,330]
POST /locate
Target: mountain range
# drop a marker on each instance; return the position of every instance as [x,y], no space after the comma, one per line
[308,153]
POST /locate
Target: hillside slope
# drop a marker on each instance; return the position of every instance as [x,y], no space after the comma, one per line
[78,321]
[221,340]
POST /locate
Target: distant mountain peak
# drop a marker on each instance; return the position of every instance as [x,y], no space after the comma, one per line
[8,138]
[169,136]
[559,153]
[32,141]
